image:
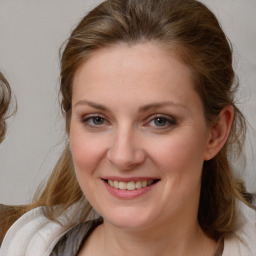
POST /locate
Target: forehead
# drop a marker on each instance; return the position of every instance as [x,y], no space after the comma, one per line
[145,70]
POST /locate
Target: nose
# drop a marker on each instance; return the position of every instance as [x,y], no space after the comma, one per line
[125,151]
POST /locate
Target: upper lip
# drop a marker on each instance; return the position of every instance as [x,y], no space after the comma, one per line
[127,179]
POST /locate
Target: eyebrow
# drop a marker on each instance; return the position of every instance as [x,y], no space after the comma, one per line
[159,105]
[91,104]
[141,109]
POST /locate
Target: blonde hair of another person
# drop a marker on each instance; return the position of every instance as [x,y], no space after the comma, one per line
[5,102]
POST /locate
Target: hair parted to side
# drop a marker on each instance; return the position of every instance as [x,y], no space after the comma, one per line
[191,31]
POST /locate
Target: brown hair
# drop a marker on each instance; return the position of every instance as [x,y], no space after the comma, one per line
[5,100]
[190,30]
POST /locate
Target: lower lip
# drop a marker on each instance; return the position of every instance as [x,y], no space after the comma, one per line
[128,194]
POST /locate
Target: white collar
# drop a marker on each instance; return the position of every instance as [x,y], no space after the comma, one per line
[35,235]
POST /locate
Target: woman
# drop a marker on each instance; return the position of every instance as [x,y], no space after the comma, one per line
[148,96]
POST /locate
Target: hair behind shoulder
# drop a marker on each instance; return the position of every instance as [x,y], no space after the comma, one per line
[191,31]
[56,195]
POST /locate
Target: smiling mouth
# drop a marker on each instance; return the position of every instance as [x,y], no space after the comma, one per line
[131,185]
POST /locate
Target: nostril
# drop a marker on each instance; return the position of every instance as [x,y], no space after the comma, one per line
[126,160]
[125,153]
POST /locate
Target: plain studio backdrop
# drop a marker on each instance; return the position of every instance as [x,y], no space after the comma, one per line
[31,33]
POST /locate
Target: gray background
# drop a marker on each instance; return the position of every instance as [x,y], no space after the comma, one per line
[31,32]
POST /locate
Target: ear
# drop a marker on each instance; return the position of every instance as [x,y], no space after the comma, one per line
[219,132]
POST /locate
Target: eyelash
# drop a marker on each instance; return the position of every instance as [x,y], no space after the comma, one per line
[170,122]
[87,119]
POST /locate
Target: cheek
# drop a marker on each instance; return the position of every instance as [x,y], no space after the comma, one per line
[180,161]
[180,155]
[87,150]
[87,153]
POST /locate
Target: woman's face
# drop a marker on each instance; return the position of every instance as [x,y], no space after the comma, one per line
[138,136]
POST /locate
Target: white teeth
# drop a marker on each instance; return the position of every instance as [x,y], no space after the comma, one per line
[116,183]
[111,183]
[138,184]
[122,185]
[144,183]
[131,185]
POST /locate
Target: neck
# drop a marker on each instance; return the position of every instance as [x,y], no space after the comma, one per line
[190,240]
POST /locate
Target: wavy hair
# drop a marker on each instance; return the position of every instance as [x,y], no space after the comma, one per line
[5,100]
[190,30]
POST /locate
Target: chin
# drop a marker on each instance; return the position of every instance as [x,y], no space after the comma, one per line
[129,219]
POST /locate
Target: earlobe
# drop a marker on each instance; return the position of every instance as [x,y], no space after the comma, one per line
[219,132]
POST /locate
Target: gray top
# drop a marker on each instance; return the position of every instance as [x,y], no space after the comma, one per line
[71,243]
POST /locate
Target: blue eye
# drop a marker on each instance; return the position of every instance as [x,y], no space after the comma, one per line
[162,122]
[94,121]
[97,120]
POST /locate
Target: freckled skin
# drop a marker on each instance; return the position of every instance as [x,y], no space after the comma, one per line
[128,143]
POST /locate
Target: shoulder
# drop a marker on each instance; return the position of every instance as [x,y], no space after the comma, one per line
[244,241]
[32,234]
